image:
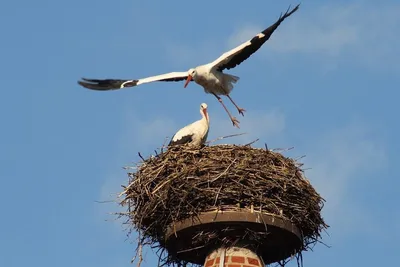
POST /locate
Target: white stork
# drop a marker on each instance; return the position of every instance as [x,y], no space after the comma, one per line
[210,76]
[195,133]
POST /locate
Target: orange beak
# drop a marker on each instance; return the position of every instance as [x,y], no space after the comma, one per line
[189,78]
[205,113]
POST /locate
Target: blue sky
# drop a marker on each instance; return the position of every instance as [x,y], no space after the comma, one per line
[326,83]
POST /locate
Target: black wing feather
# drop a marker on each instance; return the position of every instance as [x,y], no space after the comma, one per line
[106,84]
[177,79]
[256,42]
[184,140]
[115,84]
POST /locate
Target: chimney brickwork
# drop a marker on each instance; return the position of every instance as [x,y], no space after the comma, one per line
[233,257]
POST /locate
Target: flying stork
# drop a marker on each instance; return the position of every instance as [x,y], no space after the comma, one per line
[194,134]
[210,76]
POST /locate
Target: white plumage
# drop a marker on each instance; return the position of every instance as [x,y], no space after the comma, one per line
[194,134]
[210,76]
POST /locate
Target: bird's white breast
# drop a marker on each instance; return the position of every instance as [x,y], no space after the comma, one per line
[198,130]
[212,81]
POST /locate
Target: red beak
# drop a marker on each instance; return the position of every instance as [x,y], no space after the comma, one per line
[189,78]
[205,113]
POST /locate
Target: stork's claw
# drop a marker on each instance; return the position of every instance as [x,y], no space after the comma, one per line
[241,111]
[235,122]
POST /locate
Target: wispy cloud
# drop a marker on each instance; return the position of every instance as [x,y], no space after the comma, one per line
[361,34]
[326,30]
[244,33]
[137,135]
[185,55]
[340,160]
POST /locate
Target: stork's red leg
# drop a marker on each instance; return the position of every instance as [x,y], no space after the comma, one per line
[233,119]
[240,110]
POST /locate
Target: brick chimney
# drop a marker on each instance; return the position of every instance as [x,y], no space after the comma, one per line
[233,257]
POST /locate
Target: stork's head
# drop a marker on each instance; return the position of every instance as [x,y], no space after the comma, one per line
[203,110]
[191,75]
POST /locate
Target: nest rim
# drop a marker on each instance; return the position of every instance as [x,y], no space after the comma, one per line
[283,239]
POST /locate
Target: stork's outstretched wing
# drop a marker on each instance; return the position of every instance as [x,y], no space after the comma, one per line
[242,52]
[115,84]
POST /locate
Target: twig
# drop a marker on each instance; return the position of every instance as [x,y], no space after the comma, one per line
[299,158]
[140,155]
[164,144]
[223,137]
[190,249]
[224,172]
[140,255]
[104,201]
[252,142]
[129,167]
[139,251]
[282,149]
[160,186]
[216,197]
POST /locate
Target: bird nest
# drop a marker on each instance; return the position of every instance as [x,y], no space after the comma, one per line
[184,182]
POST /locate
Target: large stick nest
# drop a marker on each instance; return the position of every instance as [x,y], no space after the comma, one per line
[183,182]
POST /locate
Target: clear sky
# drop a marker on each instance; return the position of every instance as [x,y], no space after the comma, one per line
[326,83]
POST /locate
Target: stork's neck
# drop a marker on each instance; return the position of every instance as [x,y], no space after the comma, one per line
[205,117]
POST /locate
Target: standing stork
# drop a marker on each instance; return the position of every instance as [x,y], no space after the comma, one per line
[195,133]
[210,76]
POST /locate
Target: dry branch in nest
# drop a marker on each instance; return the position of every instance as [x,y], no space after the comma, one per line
[184,182]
